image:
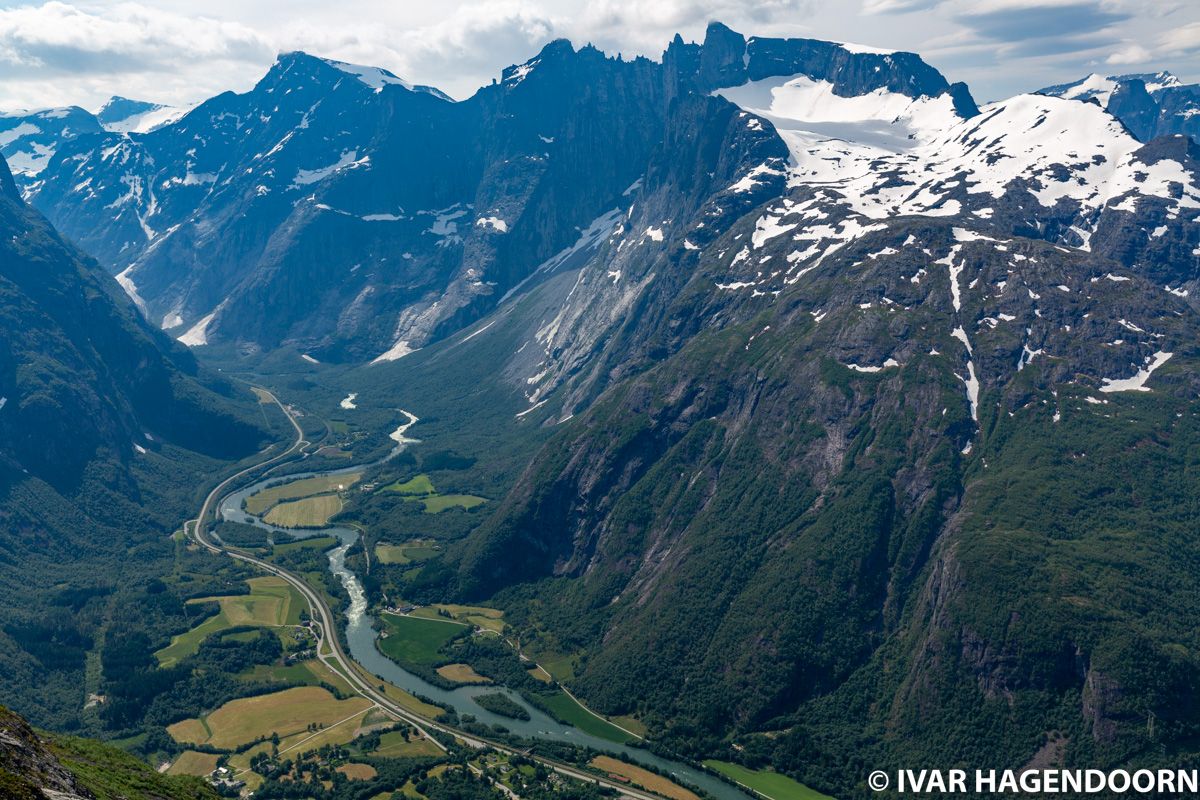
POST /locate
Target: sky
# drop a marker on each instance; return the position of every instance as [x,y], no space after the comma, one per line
[169,51]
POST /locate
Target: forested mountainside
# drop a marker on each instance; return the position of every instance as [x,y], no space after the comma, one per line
[106,426]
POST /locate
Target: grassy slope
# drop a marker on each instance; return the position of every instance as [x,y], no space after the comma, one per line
[112,774]
[30,761]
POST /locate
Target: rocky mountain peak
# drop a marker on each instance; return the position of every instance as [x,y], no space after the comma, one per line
[298,69]
[728,59]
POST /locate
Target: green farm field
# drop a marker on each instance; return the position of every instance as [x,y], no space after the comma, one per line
[420,485]
[407,553]
[413,640]
[420,489]
[566,709]
[766,783]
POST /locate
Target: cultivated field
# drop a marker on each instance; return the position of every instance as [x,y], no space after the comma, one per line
[461,673]
[644,778]
[491,619]
[302,741]
[192,763]
[540,674]
[271,603]
[421,490]
[260,502]
[566,709]
[314,543]
[420,485]
[311,512]
[305,673]
[358,772]
[286,713]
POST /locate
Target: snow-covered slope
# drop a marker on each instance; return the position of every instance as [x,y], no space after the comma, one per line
[378,77]
[858,161]
[122,115]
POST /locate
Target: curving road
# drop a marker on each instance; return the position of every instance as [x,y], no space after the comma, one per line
[329,646]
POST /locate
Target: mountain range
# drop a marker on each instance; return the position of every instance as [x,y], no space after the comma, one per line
[862,416]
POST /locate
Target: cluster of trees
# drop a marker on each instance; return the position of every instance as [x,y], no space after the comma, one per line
[303,777]
[141,692]
[502,704]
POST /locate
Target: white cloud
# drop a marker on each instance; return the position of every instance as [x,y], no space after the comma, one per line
[113,45]
[1131,53]
[896,6]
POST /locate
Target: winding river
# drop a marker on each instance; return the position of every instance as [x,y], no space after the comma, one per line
[361,637]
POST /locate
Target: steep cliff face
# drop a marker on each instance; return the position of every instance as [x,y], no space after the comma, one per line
[336,209]
[870,503]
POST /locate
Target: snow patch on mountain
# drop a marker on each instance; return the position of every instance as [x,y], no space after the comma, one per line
[197,335]
[22,129]
[375,77]
[146,121]
[801,105]
[1094,85]
[396,352]
[1137,383]
[493,223]
[130,288]
[882,155]
[347,160]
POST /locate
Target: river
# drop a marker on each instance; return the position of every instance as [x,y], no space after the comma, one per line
[361,637]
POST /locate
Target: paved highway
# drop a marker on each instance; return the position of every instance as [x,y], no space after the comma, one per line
[329,645]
